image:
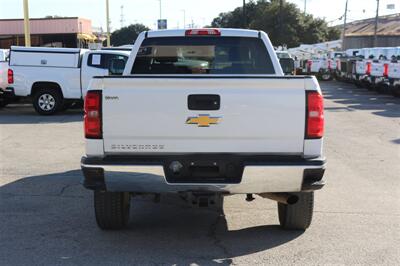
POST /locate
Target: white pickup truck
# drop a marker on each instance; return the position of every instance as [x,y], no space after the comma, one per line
[203,113]
[3,76]
[57,77]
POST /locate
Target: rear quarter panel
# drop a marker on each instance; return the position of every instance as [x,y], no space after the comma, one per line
[67,78]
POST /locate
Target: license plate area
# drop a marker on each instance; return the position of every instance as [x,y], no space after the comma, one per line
[200,169]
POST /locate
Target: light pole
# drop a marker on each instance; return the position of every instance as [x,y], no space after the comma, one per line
[108,24]
[280,36]
[344,26]
[160,10]
[376,24]
[305,6]
[244,14]
[27,30]
[184,18]
[80,31]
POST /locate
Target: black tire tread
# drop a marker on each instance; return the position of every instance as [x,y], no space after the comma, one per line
[111,209]
[321,75]
[3,102]
[299,215]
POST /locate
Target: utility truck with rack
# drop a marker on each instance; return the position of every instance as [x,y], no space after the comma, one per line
[324,68]
[362,70]
[394,76]
[203,113]
[55,78]
[379,75]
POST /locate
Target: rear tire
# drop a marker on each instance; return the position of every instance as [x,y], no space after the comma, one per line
[395,90]
[325,76]
[47,101]
[4,102]
[299,215]
[66,106]
[381,88]
[111,209]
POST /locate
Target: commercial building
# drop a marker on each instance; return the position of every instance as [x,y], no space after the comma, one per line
[360,33]
[50,31]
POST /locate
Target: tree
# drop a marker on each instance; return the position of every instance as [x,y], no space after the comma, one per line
[333,33]
[127,35]
[234,19]
[284,22]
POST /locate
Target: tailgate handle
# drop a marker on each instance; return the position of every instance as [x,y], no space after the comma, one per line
[204,102]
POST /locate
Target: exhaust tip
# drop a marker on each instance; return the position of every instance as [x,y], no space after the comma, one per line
[292,199]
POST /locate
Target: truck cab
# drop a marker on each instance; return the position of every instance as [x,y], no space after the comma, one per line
[287,62]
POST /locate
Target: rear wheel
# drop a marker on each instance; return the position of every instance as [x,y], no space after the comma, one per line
[111,209]
[358,83]
[66,106]
[383,88]
[3,102]
[325,76]
[299,215]
[395,90]
[47,101]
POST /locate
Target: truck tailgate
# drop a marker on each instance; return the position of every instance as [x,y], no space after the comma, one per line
[151,115]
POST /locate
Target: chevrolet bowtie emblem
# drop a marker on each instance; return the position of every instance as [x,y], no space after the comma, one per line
[203,120]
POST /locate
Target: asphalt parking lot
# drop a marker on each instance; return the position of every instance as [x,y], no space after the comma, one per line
[46,216]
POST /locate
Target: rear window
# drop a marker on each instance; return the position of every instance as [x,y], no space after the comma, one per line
[103,60]
[282,55]
[203,55]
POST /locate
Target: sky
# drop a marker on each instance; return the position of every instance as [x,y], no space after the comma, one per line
[198,12]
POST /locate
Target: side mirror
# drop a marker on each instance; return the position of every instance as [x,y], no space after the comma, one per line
[287,65]
[117,66]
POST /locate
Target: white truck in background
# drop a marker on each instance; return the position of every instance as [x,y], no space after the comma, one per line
[379,75]
[287,62]
[57,77]
[394,76]
[203,113]
[3,76]
[324,68]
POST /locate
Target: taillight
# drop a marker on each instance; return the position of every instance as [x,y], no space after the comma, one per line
[309,64]
[368,70]
[203,32]
[10,76]
[315,115]
[386,70]
[92,117]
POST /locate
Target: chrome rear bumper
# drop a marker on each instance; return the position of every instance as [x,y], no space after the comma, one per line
[148,177]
